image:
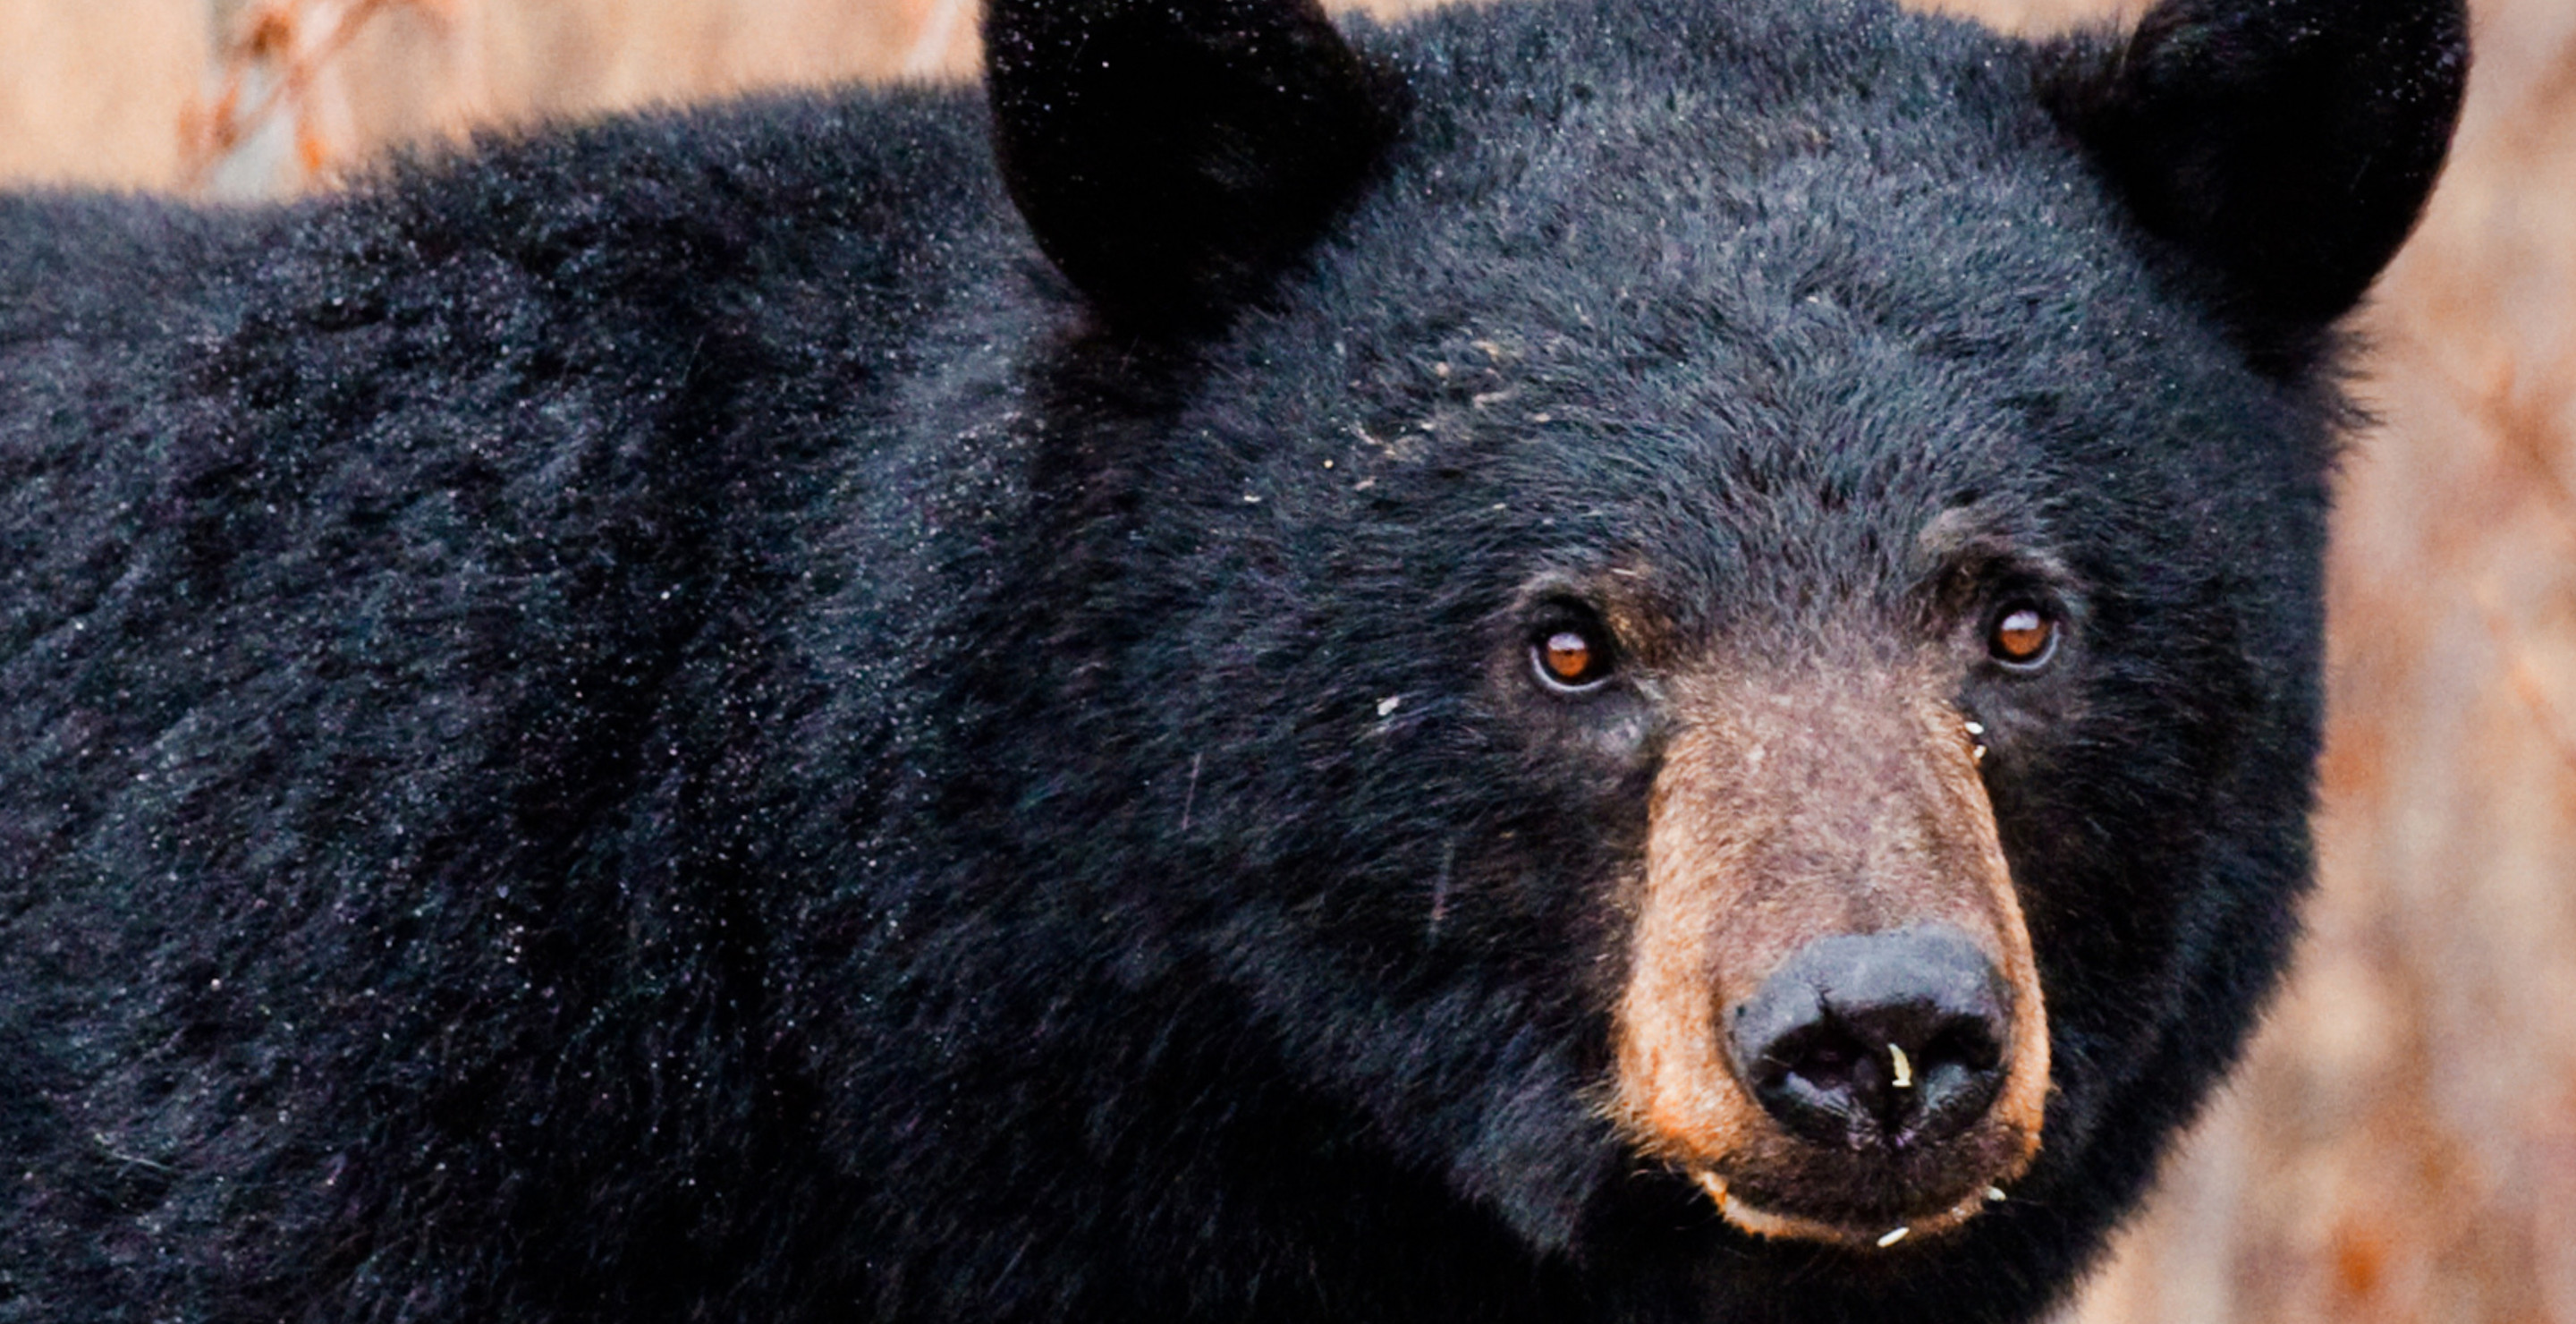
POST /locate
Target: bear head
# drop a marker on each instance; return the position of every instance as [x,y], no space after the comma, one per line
[1728,597]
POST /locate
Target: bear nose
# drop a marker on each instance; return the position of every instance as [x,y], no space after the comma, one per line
[1876,1041]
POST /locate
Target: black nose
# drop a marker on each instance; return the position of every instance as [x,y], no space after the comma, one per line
[1882,1040]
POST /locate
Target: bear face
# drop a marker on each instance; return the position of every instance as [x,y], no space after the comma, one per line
[1563,663]
[1936,542]
[1919,443]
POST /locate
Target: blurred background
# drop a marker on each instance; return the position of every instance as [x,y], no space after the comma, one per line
[2402,1145]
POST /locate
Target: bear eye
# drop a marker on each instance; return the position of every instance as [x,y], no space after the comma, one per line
[2023,637]
[1570,658]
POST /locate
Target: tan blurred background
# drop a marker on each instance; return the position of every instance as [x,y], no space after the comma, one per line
[2403,1144]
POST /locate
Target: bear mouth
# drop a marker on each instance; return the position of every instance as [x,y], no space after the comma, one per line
[1783,1189]
[1855,1230]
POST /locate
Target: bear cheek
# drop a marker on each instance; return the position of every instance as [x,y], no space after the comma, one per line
[1787,812]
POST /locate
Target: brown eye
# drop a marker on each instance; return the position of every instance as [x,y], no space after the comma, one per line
[1570,659]
[2023,636]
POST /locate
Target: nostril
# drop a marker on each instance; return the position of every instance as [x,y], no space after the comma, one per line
[1958,1072]
[1887,1040]
[1966,1040]
[1824,1081]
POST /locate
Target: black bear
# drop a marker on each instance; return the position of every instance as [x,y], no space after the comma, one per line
[1621,660]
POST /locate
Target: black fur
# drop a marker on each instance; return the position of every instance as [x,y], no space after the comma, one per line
[1171,155]
[2230,127]
[660,723]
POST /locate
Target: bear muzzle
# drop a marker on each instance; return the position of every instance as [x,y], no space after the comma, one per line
[1832,1020]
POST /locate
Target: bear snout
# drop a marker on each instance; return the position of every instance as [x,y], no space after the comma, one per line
[1832,1020]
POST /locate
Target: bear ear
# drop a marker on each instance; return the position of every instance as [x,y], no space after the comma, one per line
[1172,155]
[2286,146]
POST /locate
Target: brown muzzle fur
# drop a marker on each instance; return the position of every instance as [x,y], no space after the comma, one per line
[1790,808]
